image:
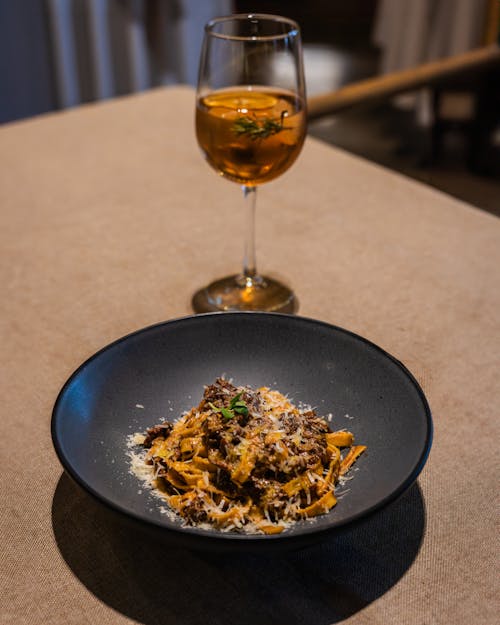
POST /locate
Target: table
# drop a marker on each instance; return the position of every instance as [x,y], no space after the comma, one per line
[110,221]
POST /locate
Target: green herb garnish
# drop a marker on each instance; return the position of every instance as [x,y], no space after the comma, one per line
[227,414]
[258,128]
[236,405]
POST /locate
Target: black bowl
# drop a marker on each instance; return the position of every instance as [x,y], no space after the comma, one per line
[160,371]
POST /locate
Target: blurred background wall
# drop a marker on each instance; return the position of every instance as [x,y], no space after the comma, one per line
[56,54]
[59,53]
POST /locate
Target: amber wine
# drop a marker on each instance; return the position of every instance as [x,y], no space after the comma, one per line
[250,136]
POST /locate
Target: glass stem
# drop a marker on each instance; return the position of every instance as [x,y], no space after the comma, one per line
[249,262]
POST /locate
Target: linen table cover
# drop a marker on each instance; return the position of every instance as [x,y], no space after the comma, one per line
[110,221]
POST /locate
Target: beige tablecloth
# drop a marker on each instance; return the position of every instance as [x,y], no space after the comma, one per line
[110,221]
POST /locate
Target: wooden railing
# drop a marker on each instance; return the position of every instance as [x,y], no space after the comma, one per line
[388,85]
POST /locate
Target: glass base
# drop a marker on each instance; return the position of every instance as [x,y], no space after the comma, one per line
[240,293]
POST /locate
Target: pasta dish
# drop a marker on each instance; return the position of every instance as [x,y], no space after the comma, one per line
[247,460]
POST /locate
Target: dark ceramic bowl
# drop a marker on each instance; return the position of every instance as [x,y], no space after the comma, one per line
[160,371]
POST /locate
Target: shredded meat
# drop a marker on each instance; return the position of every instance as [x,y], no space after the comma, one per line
[246,456]
[302,446]
[162,430]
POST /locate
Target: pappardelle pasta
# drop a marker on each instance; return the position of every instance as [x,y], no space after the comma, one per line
[247,460]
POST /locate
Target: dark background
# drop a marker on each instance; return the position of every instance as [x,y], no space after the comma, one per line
[458,156]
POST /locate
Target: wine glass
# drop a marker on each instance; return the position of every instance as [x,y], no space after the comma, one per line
[250,125]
